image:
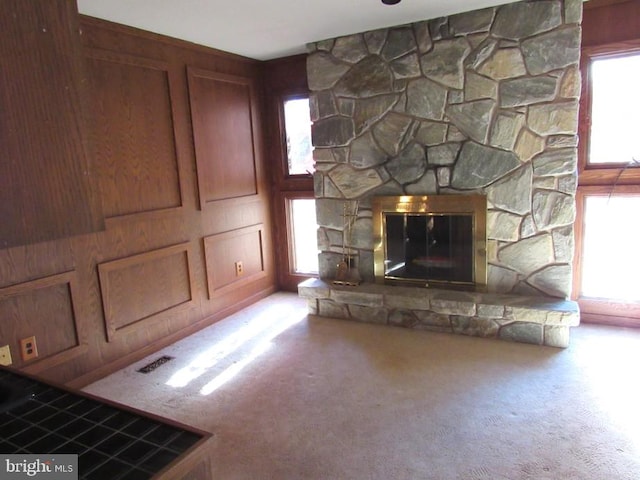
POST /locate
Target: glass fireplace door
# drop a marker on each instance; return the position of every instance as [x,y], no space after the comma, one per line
[429,247]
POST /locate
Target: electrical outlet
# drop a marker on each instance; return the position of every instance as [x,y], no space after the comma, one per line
[28,348]
[5,356]
[239,269]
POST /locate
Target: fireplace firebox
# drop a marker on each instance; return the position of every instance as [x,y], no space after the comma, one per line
[432,240]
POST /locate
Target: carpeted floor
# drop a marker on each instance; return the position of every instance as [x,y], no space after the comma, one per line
[289,397]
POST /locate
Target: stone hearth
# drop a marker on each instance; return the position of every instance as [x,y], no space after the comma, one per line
[536,320]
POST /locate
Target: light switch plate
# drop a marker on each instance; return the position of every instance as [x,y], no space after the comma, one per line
[5,356]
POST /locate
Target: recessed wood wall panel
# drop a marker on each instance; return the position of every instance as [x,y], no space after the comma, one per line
[138,289]
[132,134]
[224,250]
[43,308]
[222,111]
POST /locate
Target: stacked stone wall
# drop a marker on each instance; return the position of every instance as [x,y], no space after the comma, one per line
[480,102]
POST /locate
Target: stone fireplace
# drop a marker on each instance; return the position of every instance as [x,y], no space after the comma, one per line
[479,103]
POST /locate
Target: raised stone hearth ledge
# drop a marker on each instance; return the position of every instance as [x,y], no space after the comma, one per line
[536,320]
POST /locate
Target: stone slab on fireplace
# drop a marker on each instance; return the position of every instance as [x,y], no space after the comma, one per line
[534,320]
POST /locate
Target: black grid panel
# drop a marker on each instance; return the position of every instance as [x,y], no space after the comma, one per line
[111,443]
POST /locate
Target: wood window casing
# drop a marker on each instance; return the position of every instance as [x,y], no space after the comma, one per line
[287,187]
[601,174]
[284,79]
[596,310]
[608,30]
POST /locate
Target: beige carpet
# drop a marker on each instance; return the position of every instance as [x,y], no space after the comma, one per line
[290,397]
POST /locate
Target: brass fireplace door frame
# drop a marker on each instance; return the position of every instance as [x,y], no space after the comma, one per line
[475,205]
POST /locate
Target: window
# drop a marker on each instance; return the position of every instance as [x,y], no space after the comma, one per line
[304,241]
[615,109]
[290,153]
[297,124]
[611,247]
[607,256]
[300,207]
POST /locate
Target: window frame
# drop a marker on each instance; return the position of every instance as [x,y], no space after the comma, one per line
[286,79]
[284,165]
[600,179]
[601,173]
[288,198]
[597,309]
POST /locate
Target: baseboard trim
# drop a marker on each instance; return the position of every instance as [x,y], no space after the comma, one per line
[610,320]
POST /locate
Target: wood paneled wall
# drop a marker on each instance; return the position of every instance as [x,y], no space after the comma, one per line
[175,136]
[44,168]
[609,21]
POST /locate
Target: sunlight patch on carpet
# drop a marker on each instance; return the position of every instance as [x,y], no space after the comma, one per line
[259,332]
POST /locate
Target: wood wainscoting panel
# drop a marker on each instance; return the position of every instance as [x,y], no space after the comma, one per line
[225,250]
[224,130]
[44,308]
[142,288]
[132,133]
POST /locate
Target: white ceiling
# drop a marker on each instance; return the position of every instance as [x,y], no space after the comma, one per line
[272,28]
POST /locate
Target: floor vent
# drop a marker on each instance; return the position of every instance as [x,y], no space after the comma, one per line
[155,364]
